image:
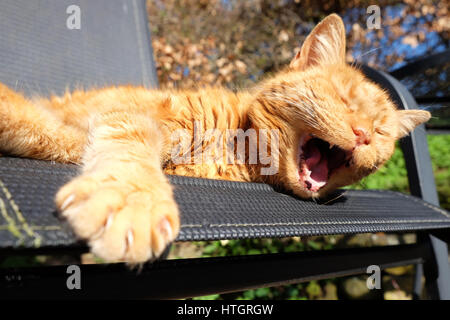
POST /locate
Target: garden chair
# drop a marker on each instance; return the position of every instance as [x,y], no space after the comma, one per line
[39,54]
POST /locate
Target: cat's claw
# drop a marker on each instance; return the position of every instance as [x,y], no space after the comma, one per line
[130,238]
[67,202]
[120,223]
[166,229]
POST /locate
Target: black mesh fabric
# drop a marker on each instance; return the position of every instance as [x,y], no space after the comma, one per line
[39,54]
[210,209]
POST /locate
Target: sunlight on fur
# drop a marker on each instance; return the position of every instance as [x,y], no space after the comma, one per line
[334,127]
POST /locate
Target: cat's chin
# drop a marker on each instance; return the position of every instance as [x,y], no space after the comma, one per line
[317,162]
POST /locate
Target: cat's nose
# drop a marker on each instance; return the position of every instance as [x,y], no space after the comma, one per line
[362,135]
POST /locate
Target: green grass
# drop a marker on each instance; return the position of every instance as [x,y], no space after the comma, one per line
[393,175]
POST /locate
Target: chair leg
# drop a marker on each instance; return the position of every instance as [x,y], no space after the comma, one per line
[437,270]
[418,288]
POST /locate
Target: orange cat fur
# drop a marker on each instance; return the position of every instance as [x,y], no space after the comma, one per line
[334,127]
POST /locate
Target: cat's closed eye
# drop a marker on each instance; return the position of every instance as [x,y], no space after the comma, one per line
[381,132]
[351,107]
[344,100]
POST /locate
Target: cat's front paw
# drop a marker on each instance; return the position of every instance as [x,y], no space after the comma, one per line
[120,221]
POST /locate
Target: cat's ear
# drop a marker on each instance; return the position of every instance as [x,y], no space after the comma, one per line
[324,45]
[409,119]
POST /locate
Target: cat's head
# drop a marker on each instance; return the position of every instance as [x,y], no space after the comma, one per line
[335,125]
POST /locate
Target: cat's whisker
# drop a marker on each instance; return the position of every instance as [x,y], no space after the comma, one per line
[366,53]
[335,198]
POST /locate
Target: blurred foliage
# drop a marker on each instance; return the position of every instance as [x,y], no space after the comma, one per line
[440,155]
[234,42]
[393,175]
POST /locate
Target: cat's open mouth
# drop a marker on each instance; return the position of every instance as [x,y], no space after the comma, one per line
[318,160]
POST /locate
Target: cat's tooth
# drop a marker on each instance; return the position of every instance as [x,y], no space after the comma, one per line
[109,221]
[67,202]
[331,146]
[167,229]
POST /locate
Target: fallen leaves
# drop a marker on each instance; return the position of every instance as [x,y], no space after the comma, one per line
[207,43]
[411,40]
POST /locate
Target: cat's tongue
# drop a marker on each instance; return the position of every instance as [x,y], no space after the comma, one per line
[319,174]
[317,167]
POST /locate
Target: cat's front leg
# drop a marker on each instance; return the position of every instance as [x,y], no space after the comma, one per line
[30,130]
[122,203]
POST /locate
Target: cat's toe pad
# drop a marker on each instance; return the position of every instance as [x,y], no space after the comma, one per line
[120,223]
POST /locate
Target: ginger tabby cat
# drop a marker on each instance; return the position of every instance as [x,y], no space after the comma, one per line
[334,127]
